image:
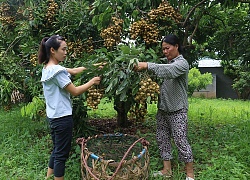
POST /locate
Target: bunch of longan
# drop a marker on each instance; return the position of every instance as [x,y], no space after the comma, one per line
[7,107]
[6,20]
[148,89]
[112,34]
[75,48]
[5,17]
[28,13]
[147,31]
[52,11]
[78,47]
[94,97]
[138,112]
[33,59]
[88,45]
[4,9]
[164,12]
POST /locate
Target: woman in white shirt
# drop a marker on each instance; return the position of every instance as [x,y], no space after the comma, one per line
[57,88]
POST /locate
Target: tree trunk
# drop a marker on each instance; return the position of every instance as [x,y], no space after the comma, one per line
[122,109]
[244,95]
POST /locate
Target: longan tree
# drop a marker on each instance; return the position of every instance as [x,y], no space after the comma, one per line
[146,26]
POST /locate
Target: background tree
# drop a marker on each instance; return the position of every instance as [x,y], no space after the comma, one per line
[198,81]
[233,46]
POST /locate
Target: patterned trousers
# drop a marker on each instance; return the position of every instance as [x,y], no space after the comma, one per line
[173,125]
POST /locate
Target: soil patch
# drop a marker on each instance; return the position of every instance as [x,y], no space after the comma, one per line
[107,126]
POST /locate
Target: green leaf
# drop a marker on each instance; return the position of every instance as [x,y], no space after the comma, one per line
[92,12]
[125,49]
[119,7]
[135,13]
[132,62]
[111,85]
[96,3]
[122,86]
[135,90]
[95,20]
[135,51]
[131,5]
[144,4]
[122,75]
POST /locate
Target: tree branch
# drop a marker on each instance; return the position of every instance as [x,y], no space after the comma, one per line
[215,17]
[191,11]
[193,33]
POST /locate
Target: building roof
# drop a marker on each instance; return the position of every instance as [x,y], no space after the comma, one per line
[209,63]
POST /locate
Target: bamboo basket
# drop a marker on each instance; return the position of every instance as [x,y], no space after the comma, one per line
[114,157]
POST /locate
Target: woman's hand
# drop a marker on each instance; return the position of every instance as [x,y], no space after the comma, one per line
[77,90]
[100,65]
[96,80]
[140,66]
[74,71]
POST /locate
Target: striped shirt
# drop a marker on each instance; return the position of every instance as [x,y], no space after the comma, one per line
[173,90]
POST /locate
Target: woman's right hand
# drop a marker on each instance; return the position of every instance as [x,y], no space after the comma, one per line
[96,80]
[140,66]
[75,91]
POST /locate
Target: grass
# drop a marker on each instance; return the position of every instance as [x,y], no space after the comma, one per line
[219,132]
[23,152]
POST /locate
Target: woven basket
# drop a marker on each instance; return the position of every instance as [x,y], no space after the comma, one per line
[114,157]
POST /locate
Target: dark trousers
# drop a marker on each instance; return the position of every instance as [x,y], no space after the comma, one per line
[61,132]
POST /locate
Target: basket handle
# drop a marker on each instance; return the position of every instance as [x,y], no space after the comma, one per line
[83,142]
[143,141]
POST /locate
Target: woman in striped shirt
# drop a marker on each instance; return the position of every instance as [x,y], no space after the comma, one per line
[172,111]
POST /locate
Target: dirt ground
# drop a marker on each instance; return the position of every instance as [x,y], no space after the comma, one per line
[105,126]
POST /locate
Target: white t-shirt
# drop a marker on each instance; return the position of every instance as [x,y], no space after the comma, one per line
[54,79]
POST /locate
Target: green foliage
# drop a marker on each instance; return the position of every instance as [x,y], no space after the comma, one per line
[6,88]
[232,44]
[11,75]
[34,109]
[24,146]
[118,77]
[198,81]
[119,80]
[80,115]
[73,21]
[242,86]
[233,34]
[32,85]
[239,72]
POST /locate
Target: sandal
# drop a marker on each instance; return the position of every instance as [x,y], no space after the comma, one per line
[159,173]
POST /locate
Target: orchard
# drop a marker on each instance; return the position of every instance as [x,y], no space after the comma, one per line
[118,33]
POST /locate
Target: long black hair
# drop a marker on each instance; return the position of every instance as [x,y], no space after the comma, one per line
[45,45]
